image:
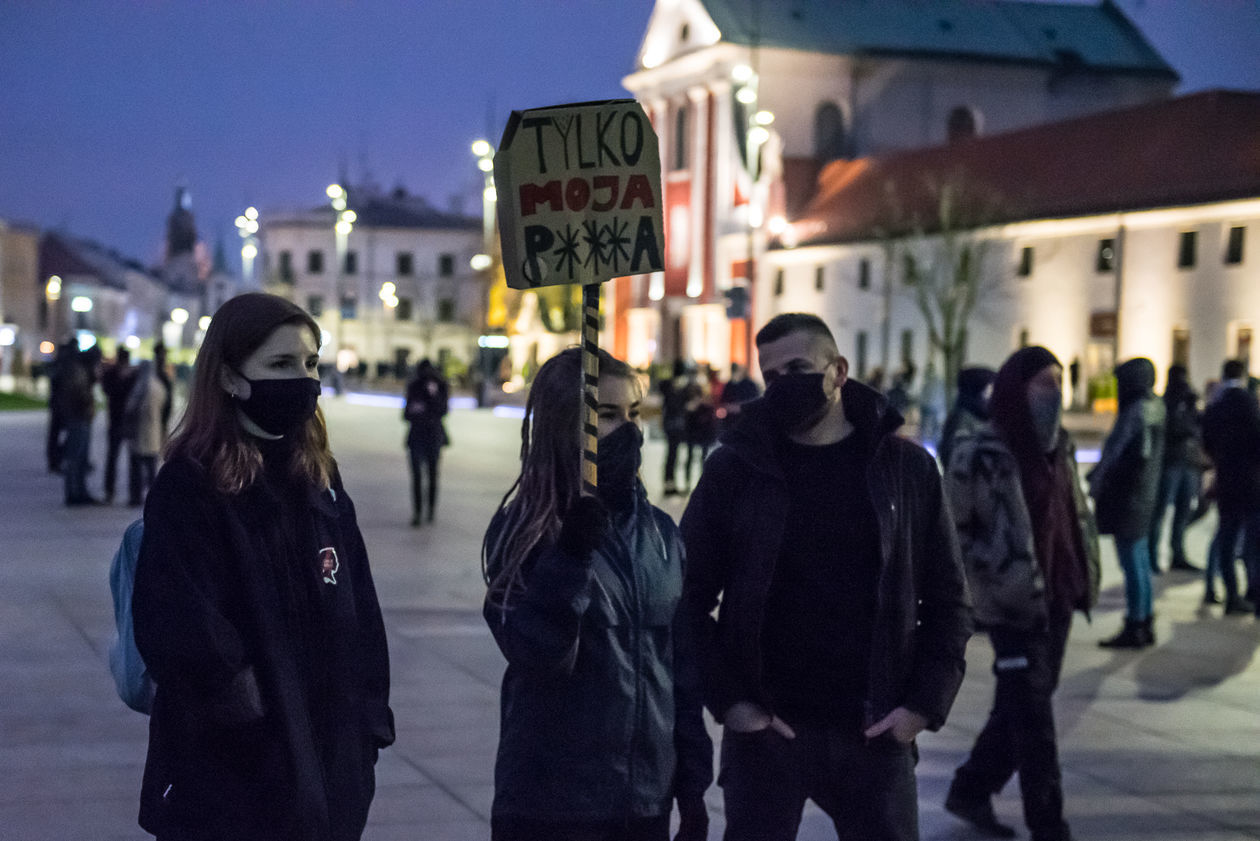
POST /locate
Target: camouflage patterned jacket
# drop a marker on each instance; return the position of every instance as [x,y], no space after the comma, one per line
[982,484]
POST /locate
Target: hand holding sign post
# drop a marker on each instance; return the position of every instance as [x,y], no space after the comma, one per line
[579,191]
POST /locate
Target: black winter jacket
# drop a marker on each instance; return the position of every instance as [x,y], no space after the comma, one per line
[1231,435]
[600,708]
[733,528]
[1125,482]
[244,743]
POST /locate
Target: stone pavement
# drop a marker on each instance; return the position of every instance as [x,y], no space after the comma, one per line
[1161,745]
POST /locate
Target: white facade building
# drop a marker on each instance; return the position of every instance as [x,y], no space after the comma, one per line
[398,288]
[825,82]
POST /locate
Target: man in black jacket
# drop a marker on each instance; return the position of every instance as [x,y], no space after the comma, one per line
[844,611]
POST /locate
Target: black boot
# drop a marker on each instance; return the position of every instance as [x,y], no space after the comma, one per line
[1148,630]
[1132,636]
[977,811]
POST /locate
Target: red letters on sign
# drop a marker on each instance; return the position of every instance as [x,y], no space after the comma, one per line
[577,193]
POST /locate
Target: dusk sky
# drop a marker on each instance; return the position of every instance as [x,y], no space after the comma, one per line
[106,106]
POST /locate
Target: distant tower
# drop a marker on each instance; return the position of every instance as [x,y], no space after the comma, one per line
[181,227]
[186,265]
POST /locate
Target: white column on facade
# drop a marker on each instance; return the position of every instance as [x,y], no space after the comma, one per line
[698,124]
[658,113]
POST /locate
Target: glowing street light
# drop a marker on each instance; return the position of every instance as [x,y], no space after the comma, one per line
[81,303]
[179,315]
[53,289]
[247,226]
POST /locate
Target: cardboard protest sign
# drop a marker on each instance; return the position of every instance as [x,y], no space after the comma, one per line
[579,190]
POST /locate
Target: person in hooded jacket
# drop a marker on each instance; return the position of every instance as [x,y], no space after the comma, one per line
[254,607]
[1031,552]
[426,405]
[1124,485]
[844,613]
[971,409]
[601,728]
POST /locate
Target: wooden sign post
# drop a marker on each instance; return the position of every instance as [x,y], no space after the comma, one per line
[579,190]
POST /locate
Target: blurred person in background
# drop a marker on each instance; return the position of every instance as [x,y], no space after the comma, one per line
[116,382]
[77,408]
[427,400]
[1124,485]
[1181,478]
[971,409]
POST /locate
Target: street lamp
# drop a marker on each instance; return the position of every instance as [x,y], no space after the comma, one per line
[343,223]
[247,227]
[486,263]
[389,301]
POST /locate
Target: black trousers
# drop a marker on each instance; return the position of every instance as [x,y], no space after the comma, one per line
[1020,735]
[511,828]
[140,477]
[866,787]
[424,460]
[673,442]
[114,441]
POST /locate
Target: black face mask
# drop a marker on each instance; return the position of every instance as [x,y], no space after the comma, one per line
[280,407]
[795,402]
[1046,410]
[617,461]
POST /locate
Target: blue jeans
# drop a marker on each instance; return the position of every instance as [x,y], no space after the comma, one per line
[1236,525]
[1135,561]
[1179,487]
[75,461]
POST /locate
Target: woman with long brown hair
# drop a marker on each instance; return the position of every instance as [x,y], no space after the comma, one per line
[254,605]
[601,727]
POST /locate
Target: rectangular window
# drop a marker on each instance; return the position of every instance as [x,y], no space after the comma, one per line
[1025,261]
[1186,249]
[861,353]
[778,283]
[680,137]
[315,262]
[446,265]
[315,305]
[349,308]
[405,264]
[402,312]
[1234,247]
[1106,255]
[446,310]
[909,269]
[352,262]
[1023,337]
[286,266]
[864,273]
[819,278]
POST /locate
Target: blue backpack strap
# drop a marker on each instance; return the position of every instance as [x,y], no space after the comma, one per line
[131,677]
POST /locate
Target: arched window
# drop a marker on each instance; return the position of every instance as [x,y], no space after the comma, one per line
[830,137]
[961,124]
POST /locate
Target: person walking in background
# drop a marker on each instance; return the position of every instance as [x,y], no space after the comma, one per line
[427,401]
[601,728]
[1124,485]
[58,371]
[77,407]
[1031,552]
[739,389]
[1231,436]
[971,409]
[674,421]
[1181,479]
[701,426]
[254,606]
[844,616]
[162,371]
[116,381]
[148,404]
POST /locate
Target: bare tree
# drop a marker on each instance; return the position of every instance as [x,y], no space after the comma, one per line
[943,254]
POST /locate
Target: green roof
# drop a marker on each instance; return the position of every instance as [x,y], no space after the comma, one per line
[1080,36]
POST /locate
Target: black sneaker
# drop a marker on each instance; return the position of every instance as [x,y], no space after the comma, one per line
[978,813]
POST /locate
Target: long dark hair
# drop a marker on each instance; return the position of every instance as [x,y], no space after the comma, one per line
[210,433]
[549,482]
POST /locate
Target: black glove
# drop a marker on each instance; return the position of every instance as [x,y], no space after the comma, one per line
[583,527]
[693,819]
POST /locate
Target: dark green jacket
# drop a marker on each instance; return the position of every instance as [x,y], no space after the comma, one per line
[600,709]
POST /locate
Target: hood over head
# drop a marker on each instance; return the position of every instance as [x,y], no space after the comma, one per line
[1008,407]
[971,385]
[1135,379]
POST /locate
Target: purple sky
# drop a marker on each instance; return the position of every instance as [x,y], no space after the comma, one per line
[105,106]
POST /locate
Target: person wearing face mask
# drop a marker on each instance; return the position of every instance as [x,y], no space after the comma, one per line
[1124,485]
[601,729]
[844,614]
[1031,551]
[254,606]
